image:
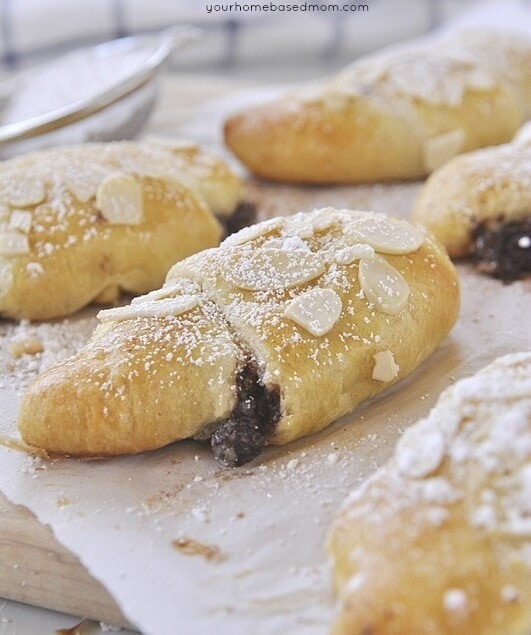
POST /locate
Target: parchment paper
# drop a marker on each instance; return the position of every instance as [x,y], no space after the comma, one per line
[265,524]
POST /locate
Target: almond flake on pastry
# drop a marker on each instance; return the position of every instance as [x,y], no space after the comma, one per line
[20,221]
[271,268]
[167,307]
[22,192]
[253,231]
[119,199]
[420,451]
[317,310]
[390,235]
[13,243]
[347,255]
[385,367]
[290,243]
[178,288]
[383,285]
[84,181]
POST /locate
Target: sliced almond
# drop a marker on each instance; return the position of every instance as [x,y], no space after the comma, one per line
[160,308]
[271,269]
[349,254]
[13,244]
[23,192]
[119,199]
[288,243]
[83,181]
[253,231]
[385,367]
[300,225]
[20,221]
[324,221]
[316,310]
[438,150]
[171,290]
[383,285]
[387,235]
[420,450]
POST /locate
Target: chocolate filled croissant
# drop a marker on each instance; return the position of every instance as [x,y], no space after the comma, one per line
[438,541]
[285,327]
[395,115]
[82,223]
[479,205]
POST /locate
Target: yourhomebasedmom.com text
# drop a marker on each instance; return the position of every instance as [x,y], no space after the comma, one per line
[280,7]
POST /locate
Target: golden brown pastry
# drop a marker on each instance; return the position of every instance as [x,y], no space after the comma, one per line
[81,223]
[285,327]
[396,115]
[479,204]
[438,541]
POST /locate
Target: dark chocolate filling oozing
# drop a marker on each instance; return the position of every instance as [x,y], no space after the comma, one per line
[242,436]
[503,249]
[243,215]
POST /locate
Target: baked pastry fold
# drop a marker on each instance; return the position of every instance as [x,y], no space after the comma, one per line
[285,327]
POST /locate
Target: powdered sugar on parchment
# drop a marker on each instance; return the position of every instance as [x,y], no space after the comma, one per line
[28,348]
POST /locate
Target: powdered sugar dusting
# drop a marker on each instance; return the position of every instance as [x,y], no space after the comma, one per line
[439,73]
[465,468]
[58,341]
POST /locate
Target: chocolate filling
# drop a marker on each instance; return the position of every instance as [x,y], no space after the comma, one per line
[503,249]
[242,436]
[243,215]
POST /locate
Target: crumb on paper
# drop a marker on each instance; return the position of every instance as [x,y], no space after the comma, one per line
[31,347]
[332,458]
[190,547]
[25,346]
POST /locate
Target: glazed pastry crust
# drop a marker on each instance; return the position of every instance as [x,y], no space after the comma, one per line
[492,184]
[252,325]
[396,115]
[437,541]
[71,254]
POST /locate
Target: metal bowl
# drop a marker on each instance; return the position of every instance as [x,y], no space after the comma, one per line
[117,110]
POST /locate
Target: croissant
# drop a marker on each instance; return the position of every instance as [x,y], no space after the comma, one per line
[437,541]
[479,205]
[81,223]
[285,327]
[395,115]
